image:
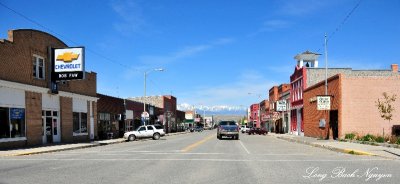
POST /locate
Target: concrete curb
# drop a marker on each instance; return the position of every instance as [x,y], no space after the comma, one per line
[93,144]
[341,150]
[50,151]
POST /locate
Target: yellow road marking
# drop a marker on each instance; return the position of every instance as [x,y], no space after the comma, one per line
[190,147]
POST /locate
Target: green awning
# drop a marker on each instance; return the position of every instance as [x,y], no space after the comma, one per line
[189,120]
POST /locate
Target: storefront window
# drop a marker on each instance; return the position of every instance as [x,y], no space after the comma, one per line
[80,122]
[12,122]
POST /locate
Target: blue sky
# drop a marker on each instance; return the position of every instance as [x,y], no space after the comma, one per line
[214,52]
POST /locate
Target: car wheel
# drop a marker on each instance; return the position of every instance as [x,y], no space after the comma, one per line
[156,136]
[132,138]
[237,137]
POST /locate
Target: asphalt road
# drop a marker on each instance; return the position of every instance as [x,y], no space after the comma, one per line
[199,158]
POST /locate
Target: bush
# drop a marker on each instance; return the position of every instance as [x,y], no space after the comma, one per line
[368,137]
[380,139]
[350,136]
[398,140]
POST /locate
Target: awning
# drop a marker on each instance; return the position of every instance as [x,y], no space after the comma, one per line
[189,121]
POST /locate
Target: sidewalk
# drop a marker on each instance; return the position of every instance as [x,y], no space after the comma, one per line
[64,147]
[344,147]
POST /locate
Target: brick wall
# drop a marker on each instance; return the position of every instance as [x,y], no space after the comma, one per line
[312,116]
[360,113]
[66,119]
[16,64]
[33,121]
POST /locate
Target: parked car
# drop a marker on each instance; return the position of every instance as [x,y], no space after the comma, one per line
[228,129]
[198,129]
[147,131]
[259,131]
[244,129]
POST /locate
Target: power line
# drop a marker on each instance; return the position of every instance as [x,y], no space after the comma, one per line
[66,38]
[341,24]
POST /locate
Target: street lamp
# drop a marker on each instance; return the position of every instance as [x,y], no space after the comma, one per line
[144,100]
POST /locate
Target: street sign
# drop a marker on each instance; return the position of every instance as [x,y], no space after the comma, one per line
[145,114]
[323,103]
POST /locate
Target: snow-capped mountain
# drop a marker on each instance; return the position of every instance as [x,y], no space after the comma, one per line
[218,109]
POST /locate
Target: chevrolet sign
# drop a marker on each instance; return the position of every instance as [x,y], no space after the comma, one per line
[68,64]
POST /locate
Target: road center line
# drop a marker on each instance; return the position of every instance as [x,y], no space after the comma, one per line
[190,147]
[244,147]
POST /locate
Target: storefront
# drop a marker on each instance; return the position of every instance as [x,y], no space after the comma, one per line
[32,112]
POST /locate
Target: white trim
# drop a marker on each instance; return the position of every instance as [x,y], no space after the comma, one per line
[26,87]
[13,139]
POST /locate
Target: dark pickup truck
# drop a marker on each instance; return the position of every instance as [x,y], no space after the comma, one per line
[228,129]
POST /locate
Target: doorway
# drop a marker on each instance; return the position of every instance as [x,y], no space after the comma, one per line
[333,122]
[50,127]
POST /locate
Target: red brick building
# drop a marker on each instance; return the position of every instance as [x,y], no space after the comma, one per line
[353,104]
[264,113]
[254,118]
[111,116]
[29,113]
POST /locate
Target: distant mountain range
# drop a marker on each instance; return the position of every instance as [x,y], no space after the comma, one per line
[215,110]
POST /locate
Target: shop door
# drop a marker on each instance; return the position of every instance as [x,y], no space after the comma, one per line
[51,127]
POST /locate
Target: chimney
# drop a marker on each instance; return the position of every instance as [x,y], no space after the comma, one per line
[395,68]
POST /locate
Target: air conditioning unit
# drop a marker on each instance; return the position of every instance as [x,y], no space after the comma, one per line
[119,117]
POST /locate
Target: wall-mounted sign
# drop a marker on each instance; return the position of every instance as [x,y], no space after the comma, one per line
[281,105]
[323,103]
[17,113]
[68,63]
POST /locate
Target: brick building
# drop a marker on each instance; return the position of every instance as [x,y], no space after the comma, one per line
[283,122]
[29,113]
[111,116]
[264,113]
[254,118]
[273,115]
[165,109]
[353,104]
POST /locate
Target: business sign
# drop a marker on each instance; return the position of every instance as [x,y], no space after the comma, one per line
[281,105]
[323,103]
[68,63]
[189,116]
[17,113]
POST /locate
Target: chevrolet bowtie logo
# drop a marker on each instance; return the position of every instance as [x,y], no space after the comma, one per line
[67,57]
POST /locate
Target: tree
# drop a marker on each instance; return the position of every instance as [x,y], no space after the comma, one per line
[385,107]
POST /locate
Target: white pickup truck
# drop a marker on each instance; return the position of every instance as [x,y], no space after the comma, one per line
[147,131]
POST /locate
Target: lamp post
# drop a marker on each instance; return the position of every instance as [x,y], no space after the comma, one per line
[145,99]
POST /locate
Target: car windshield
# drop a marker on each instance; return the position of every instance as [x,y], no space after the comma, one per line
[227,123]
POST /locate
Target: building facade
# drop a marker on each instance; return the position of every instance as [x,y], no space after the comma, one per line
[353,107]
[298,83]
[111,117]
[30,113]
[283,123]
[254,118]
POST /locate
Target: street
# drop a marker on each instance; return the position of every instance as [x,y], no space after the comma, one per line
[199,158]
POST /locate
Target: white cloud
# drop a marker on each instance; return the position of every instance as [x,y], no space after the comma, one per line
[232,94]
[302,7]
[132,18]
[271,25]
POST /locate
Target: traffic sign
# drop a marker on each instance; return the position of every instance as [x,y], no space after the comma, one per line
[145,114]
